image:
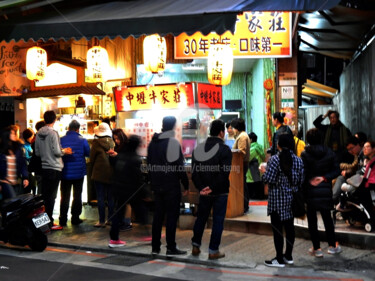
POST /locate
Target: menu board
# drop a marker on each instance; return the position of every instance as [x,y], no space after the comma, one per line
[142,128]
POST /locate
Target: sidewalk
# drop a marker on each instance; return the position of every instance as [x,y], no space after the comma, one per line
[243,250]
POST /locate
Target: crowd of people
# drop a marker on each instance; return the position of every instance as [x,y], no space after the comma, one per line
[323,168]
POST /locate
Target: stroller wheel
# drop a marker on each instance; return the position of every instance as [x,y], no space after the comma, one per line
[368,227]
[351,221]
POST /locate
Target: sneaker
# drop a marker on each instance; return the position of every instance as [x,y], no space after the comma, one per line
[155,252]
[175,251]
[334,250]
[216,256]
[144,239]
[288,260]
[195,251]
[126,227]
[274,263]
[116,243]
[317,253]
[56,227]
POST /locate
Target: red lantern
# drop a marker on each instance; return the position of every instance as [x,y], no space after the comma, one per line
[268,84]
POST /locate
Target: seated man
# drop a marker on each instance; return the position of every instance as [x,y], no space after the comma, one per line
[348,170]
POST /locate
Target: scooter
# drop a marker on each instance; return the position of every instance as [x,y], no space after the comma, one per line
[25,222]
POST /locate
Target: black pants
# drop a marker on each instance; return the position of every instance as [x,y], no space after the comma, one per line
[50,183]
[246,197]
[167,202]
[278,238]
[138,206]
[313,227]
[256,190]
[65,189]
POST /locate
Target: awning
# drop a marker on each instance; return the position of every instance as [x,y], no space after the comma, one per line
[136,18]
[88,90]
[311,88]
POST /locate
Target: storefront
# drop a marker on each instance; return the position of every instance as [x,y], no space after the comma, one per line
[133,19]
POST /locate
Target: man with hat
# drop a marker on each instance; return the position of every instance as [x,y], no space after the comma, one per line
[167,172]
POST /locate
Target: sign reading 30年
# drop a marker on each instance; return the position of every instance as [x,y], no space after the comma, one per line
[257,34]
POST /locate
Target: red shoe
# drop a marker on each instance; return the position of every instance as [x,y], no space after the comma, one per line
[56,227]
[145,239]
[116,243]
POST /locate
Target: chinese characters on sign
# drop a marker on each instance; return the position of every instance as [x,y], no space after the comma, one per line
[143,129]
[161,96]
[209,96]
[257,34]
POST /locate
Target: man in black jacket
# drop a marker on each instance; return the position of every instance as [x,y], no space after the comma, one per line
[335,135]
[167,172]
[211,167]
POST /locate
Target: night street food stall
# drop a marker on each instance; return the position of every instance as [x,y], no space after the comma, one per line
[140,110]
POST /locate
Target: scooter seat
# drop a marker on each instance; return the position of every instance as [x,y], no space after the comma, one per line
[10,204]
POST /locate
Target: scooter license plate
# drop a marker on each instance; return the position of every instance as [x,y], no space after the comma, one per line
[41,220]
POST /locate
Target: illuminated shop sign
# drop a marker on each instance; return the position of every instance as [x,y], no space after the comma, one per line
[210,96]
[257,34]
[167,96]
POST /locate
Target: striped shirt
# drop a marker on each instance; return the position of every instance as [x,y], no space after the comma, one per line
[11,169]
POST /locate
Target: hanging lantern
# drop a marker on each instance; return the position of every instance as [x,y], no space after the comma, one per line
[36,63]
[220,64]
[97,64]
[154,53]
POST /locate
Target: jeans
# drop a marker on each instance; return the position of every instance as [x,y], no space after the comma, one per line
[313,227]
[65,189]
[7,190]
[219,205]
[336,190]
[167,202]
[50,182]
[278,239]
[103,190]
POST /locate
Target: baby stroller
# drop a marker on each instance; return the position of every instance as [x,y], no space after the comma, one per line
[354,207]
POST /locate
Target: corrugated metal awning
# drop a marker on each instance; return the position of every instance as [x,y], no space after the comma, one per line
[88,90]
[311,88]
[136,18]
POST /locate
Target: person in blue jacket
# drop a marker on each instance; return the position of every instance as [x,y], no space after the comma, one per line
[73,173]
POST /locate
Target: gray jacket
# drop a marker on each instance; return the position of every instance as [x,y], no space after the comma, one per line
[48,148]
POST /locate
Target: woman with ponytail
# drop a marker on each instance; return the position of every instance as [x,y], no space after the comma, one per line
[284,175]
[278,122]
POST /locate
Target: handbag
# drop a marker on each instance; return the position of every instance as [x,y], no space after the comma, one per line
[298,204]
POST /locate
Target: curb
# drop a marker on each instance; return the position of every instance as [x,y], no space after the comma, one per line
[186,259]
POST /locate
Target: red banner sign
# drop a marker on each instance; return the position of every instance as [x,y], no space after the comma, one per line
[210,96]
[167,96]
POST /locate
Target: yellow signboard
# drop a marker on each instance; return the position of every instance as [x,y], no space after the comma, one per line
[257,35]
